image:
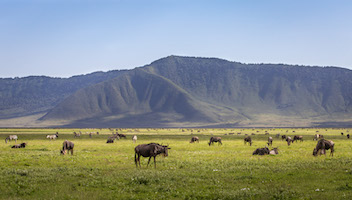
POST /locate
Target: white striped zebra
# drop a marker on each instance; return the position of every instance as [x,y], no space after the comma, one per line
[11,137]
[52,137]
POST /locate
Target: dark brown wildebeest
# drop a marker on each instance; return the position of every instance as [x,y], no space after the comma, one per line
[322,146]
[283,137]
[348,136]
[11,137]
[274,151]
[215,139]
[67,146]
[22,145]
[341,133]
[297,137]
[248,139]
[270,141]
[149,150]
[194,139]
[110,140]
[261,151]
[121,135]
[288,140]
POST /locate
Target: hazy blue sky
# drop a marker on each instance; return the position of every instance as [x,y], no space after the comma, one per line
[71,37]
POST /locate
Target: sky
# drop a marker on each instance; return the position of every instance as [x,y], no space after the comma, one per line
[62,38]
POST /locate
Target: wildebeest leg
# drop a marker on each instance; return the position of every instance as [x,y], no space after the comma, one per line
[139,160]
[149,160]
[135,159]
[71,152]
[154,163]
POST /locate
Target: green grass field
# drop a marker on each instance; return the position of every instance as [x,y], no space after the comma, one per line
[191,171]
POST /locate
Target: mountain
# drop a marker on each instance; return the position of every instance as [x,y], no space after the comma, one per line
[192,92]
[35,94]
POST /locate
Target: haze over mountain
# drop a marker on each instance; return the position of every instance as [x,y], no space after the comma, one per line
[184,92]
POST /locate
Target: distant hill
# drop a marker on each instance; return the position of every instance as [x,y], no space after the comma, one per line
[35,94]
[187,91]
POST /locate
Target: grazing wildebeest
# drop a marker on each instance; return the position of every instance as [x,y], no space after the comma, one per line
[322,146]
[52,137]
[270,141]
[149,150]
[22,145]
[297,137]
[194,139]
[77,135]
[348,136]
[121,135]
[341,133]
[215,139]
[110,140]
[67,146]
[283,137]
[278,135]
[288,140]
[11,137]
[134,138]
[248,139]
[261,151]
[274,151]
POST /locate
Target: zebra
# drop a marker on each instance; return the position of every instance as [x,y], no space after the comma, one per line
[11,137]
[52,137]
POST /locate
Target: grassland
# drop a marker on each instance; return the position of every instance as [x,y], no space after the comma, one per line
[191,171]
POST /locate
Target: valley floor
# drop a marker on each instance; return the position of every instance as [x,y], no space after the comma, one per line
[98,170]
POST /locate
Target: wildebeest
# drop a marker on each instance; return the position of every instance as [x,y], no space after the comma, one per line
[121,135]
[134,138]
[288,140]
[270,141]
[11,137]
[274,151]
[341,133]
[261,151]
[52,137]
[149,150]
[248,139]
[283,137]
[215,139]
[67,146]
[22,145]
[348,136]
[278,135]
[297,137]
[110,140]
[322,146]
[194,139]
